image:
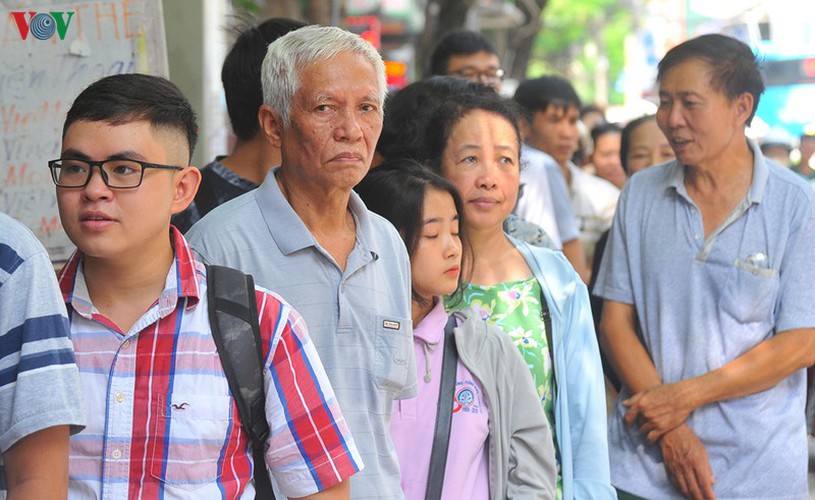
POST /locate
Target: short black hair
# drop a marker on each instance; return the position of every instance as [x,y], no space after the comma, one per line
[591,108]
[625,137]
[408,111]
[537,94]
[240,73]
[734,68]
[121,99]
[446,117]
[458,43]
[396,190]
[603,129]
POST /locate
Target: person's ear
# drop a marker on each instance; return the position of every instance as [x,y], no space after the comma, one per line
[744,107]
[271,125]
[185,187]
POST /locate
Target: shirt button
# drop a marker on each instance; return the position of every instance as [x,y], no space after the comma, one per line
[120,397]
[126,344]
[117,454]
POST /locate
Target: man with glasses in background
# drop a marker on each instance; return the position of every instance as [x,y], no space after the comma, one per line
[470,55]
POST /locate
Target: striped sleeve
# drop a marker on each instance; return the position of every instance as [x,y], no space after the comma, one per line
[310,445]
[39,381]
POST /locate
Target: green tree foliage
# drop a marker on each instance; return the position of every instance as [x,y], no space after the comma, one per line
[574,34]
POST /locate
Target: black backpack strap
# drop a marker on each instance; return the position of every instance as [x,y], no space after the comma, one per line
[444,413]
[233,318]
[546,316]
[205,197]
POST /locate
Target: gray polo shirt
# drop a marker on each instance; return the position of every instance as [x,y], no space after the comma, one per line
[702,303]
[359,319]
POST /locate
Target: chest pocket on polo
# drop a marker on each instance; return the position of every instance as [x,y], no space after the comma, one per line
[189,434]
[751,293]
[394,346]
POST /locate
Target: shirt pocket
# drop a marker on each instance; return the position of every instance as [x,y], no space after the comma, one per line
[751,293]
[190,432]
[394,345]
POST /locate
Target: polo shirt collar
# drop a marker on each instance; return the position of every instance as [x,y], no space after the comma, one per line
[431,328]
[761,175]
[181,281]
[287,229]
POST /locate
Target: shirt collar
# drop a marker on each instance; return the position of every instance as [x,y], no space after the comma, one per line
[287,229]
[761,174]
[431,328]
[181,281]
[528,151]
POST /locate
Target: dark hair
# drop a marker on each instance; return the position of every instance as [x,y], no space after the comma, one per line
[537,94]
[240,74]
[625,138]
[396,190]
[408,111]
[591,108]
[603,129]
[446,117]
[458,43]
[121,99]
[733,66]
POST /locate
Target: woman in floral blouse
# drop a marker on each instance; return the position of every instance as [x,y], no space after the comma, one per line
[474,142]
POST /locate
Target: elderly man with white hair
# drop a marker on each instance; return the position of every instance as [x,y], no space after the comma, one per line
[307,235]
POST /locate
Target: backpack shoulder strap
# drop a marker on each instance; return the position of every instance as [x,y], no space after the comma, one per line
[233,318]
[444,413]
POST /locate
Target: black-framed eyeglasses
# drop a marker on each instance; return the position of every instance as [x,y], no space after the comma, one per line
[116,174]
[490,75]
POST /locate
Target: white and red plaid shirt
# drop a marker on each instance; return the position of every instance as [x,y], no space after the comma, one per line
[161,419]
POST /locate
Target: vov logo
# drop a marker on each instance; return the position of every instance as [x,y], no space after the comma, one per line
[43,25]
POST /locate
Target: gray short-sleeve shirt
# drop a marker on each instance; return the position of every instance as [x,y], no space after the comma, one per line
[704,302]
[359,319]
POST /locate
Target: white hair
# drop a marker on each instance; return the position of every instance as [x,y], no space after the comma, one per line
[287,55]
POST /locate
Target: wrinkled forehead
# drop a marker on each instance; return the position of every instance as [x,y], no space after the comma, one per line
[338,76]
[692,71]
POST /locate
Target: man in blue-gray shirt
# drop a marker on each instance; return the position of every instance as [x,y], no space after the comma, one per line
[308,236]
[709,314]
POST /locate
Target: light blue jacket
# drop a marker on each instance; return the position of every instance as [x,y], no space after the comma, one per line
[580,404]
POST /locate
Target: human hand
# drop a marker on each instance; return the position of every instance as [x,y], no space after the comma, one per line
[658,409]
[687,463]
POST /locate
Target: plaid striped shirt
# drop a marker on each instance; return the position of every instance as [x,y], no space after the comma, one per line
[161,419]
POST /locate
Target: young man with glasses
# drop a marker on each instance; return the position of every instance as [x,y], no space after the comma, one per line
[470,55]
[161,418]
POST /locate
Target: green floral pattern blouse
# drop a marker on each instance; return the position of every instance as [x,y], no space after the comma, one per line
[515,307]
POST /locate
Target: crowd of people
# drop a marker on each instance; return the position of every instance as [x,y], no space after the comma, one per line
[447,297]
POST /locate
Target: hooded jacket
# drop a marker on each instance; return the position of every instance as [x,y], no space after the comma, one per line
[580,408]
[521,453]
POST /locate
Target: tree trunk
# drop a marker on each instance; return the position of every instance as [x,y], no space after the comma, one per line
[319,11]
[281,8]
[523,39]
[441,17]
